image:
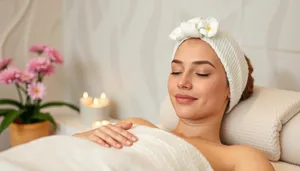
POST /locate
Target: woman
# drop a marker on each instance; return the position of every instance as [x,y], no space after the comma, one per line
[210,75]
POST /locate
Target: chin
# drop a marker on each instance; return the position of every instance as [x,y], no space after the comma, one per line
[185,113]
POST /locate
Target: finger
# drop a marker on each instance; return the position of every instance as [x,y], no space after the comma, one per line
[125,126]
[101,133]
[116,135]
[126,134]
[98,140]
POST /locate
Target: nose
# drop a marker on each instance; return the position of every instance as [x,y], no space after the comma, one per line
[185,82]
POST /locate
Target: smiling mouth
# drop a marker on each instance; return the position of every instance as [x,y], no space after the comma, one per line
[185,99]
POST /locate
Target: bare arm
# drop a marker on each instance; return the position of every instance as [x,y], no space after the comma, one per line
[249,159]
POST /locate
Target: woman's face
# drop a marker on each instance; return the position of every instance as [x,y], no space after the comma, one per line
[197,84]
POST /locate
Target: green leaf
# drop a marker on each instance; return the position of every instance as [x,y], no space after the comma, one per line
[45,117]
[52,104]
[9,118]
[3,112]
[10,102]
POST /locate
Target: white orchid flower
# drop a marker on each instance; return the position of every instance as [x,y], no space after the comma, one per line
[210,27]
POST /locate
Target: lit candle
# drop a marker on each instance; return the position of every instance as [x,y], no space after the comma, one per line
[103,100]
[103,96]
[95,102]
[98,124]
[99,103]
[97,110]
[86,100]
[105,122]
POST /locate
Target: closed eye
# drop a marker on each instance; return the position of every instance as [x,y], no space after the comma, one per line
[202,75]
[175,73]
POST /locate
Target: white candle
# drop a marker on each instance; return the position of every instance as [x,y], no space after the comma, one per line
[98,124]
[103,100]
[85,99]
[98,110]
[95,103]
[105,122]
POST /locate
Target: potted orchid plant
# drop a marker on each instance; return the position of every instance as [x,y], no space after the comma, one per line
[25,116]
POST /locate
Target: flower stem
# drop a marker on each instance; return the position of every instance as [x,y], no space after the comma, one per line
[40,77]
[21,88]
[19,93]
[28,101]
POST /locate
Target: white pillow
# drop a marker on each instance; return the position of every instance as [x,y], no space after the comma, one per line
[256,121]
[290,141]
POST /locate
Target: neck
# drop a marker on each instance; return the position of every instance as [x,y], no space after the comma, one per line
[207,128]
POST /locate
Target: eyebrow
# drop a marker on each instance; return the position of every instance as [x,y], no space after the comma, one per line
[195,62]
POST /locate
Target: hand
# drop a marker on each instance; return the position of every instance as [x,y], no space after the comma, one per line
[111,135]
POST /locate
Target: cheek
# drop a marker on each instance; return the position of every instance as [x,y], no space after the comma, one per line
[212,92]
[172,89]
[217,87]
[172,84]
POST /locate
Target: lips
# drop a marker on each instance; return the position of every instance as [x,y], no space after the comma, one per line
[185,99]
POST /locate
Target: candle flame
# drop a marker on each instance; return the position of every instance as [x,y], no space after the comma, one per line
[97,124]
[105,122]
[85,95]
[96,101]
[103,96]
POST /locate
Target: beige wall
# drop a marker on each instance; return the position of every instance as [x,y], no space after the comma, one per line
[37,21]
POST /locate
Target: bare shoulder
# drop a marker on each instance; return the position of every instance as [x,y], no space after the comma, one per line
[138,121]
[248,159]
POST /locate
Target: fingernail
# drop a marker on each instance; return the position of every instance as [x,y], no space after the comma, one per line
[106,145]
[134,139]
[128,142]
[119,145]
